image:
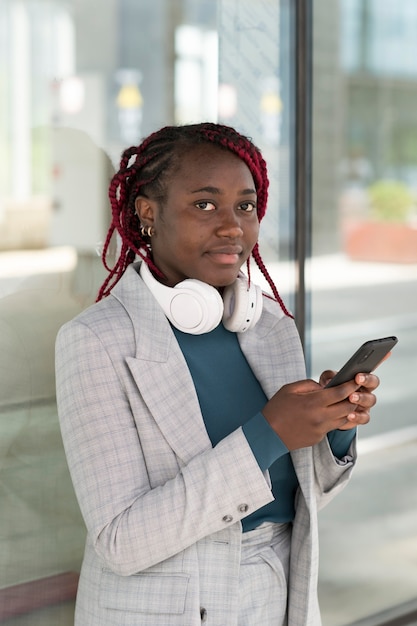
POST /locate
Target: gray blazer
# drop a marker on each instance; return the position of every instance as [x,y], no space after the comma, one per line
[161,505]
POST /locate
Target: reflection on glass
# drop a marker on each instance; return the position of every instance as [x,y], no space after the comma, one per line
[75,91]
[364,285]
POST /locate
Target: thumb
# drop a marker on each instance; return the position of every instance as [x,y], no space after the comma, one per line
[326,377]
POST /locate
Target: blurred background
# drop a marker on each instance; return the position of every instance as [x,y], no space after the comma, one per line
[80,80]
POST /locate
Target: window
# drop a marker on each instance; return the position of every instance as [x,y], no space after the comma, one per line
[364,160]
[75,91]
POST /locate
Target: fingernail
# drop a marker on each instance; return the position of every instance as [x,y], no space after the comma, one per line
[361,378]
[354,397]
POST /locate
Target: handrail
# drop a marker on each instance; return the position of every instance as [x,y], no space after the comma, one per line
[404,614]
[26,597]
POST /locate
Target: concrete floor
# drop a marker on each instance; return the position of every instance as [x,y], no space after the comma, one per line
[369,538]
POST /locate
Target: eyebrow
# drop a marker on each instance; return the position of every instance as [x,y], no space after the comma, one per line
[216,190]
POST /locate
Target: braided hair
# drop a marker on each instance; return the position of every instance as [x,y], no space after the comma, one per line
[145,170]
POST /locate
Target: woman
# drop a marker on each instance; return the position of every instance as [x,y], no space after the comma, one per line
[198,452]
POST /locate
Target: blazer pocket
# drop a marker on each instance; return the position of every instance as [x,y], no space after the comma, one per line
[155,593]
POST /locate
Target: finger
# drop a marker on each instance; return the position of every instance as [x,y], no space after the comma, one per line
[347,425]
[387,356]
[358,417]
[362,399]
[338,413]
[368,381]
[340,392]
[326,377]
[355,418]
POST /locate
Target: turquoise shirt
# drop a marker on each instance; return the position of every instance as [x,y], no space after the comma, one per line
[230,396]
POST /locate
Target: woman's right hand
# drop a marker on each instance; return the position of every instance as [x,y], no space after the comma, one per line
[302,413]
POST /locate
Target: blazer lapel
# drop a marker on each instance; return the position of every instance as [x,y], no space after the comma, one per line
[160,371]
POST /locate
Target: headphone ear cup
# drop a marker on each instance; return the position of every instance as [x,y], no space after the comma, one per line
[191,306]
[242,305]
[195,307]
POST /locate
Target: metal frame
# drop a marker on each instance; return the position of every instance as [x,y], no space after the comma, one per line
[303,105]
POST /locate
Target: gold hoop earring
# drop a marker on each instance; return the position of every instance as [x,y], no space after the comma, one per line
[147,231]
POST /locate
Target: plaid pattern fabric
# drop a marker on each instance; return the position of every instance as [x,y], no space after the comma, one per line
[263,576]
[161,506]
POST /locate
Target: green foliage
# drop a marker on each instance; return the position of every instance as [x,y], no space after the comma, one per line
[390,200]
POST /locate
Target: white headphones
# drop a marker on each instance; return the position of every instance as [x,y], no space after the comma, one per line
[195,307]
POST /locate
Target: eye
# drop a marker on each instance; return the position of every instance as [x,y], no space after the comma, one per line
[205,206]
[248,207]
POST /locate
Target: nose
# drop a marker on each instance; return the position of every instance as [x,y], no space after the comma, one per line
[229,224]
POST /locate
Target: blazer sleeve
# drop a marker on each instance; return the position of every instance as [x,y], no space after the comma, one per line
[132,525]
[331,474]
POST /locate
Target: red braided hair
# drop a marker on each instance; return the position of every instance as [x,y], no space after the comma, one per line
[145,169]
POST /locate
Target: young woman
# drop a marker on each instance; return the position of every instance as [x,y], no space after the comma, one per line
[198,451]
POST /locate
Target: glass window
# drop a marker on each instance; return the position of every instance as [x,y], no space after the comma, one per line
[363,277]
[80,80]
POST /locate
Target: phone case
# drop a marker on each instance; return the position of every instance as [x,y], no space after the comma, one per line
[365,359]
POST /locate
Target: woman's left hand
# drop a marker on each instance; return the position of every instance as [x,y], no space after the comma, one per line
[363,398]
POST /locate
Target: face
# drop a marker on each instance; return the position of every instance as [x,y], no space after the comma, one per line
[207,225]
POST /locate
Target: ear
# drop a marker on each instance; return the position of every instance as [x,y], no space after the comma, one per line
[145,210]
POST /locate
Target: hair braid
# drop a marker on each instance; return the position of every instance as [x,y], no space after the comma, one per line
[145,169]
[124,187]
[259,262]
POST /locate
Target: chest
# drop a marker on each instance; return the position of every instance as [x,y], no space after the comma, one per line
[228,391]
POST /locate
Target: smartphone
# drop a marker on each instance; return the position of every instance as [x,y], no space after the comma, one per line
[365,359]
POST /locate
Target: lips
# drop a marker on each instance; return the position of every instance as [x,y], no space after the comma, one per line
[228,255]
[228,250]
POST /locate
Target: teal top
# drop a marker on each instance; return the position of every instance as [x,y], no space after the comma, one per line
[230,397]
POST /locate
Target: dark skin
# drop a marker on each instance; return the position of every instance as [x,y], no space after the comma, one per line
[302,413]
[206,229]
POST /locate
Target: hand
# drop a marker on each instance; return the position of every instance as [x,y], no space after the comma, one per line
[363,398]
[302,413]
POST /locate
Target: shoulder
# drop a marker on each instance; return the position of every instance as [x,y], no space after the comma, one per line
[273,317]
[127,321]
[107,321]
[103,331]
[113,310]
[279,330]
[99,316]
[274,328]
[272,306]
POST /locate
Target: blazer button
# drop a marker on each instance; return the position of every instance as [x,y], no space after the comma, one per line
[227,519]
[243,508]
[203,614]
